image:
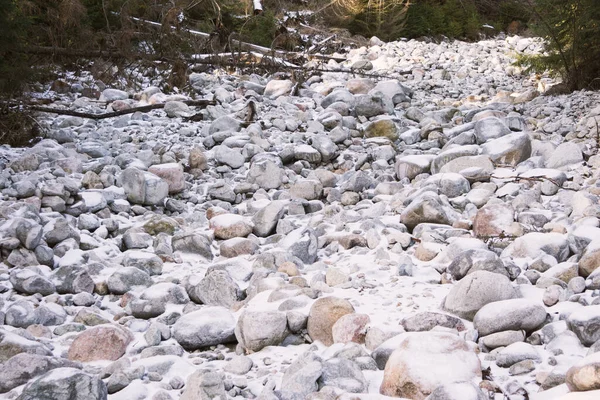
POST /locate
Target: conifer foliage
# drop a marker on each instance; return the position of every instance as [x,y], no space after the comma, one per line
[572,32]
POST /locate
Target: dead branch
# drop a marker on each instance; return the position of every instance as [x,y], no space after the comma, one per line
[197,103]
[531,179]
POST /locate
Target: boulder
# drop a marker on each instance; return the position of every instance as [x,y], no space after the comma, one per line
[208,326]
[100,343]
[475,290]
[509,315]
[323,314]
[423,361]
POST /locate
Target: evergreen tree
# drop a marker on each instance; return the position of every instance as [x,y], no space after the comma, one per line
[572,32]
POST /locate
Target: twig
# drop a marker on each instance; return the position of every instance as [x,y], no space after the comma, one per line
[530,179]
[197,103]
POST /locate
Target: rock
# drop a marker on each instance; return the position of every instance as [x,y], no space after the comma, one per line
[258,329]
[457,391]
[23,367]
[266,173]
[177,109]
[217,289]
[277,88]
[12,344]
[344,374]
[450,184]
[382,128]
[449,360]
[227,226]
[144,187]
[229,156]
[350,328]
[475,290]
[172,173]
[490,128]
[126,279]
[208,326]
[427,208]
[65,384]
[239,365]
[584,322]
[301,243]
[585,374]
[537,244]
[192,243]
[514,315]
[426,321]
[307,153]
[28,282]
[470,261]
[373,104]
[204,385]
[147,262]
[237,246]
[110,95]
[224,124]
[411,166]
[590,259]
[502,339]
[100,343]
[566,154]
[265,220]
[510,149]
[307,189]
[515,353]
[300,378]
[324,313]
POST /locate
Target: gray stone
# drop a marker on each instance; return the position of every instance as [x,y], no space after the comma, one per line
[23,367]
[29,282]
[300,378]
[344,374]
[584,322]
[143,187]
[126,279]
[208,326]
[514,315]
[473,260]
[217,289]
[204,385]
[258,329]
[266,219]
[475,290]
[239,365]
[65,384]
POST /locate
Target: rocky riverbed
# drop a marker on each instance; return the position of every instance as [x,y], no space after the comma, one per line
[430,233]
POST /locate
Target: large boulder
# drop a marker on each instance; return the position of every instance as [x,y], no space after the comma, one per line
[475,290]
[585,322]
[65,384]
[144,187]
[208,326]
[411,166]
[258,329]
[509,315]
[227,226]
[509,150]
[323,314]
[428,208]
[23,367]
[100,343]
[535,244]
[425,360]
[172,173]
[585,374]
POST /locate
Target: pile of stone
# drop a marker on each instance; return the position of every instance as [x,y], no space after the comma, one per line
[431,234]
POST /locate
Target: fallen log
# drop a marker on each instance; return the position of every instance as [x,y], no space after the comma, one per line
[59,111]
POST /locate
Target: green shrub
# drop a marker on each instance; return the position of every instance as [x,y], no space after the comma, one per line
[451,18]
[572,32]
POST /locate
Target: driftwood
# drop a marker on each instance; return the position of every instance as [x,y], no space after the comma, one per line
[197,103]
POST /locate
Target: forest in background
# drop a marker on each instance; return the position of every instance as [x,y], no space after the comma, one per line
[36,33]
